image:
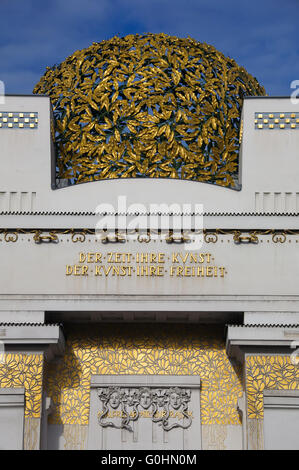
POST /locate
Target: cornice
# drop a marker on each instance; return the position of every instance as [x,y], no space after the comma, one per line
[21,337]
[243,338]
[205,214]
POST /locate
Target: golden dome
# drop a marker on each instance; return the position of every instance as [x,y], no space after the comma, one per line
[148,105]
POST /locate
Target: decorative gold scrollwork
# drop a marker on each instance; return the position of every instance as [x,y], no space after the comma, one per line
[251,238]
[10,236]
[279,237]
[173,238]
[78,237]
[144,237]
[115,237]
[51,238]
[147,235]
[210,237]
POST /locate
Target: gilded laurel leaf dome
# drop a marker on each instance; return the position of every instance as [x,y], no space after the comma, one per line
[148,105]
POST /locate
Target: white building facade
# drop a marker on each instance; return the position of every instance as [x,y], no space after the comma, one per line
[147,337]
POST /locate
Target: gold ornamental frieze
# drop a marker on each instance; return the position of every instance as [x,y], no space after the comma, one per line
[243,236]
[84,261]
[146,349]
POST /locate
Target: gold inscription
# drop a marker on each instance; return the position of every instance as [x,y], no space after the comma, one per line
[151,264]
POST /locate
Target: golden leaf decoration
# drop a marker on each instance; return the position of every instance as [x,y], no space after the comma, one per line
[24,370]
[166,350]
[271,373]
[143,92]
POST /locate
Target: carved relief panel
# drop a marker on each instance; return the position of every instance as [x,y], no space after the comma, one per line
[144,412]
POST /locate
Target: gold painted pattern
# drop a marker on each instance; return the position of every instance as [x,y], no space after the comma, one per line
[214,436]
[268,372]
[143,349]
[18,120]
[31,433]
[80,235]
[148,105]
[24,370]
[75,436]
[276,120]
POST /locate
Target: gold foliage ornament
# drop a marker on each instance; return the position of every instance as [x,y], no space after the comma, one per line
[24,370]
[148,105]
[145,349]
[268,373]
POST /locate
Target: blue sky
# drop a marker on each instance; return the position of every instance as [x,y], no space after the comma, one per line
[261,35]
